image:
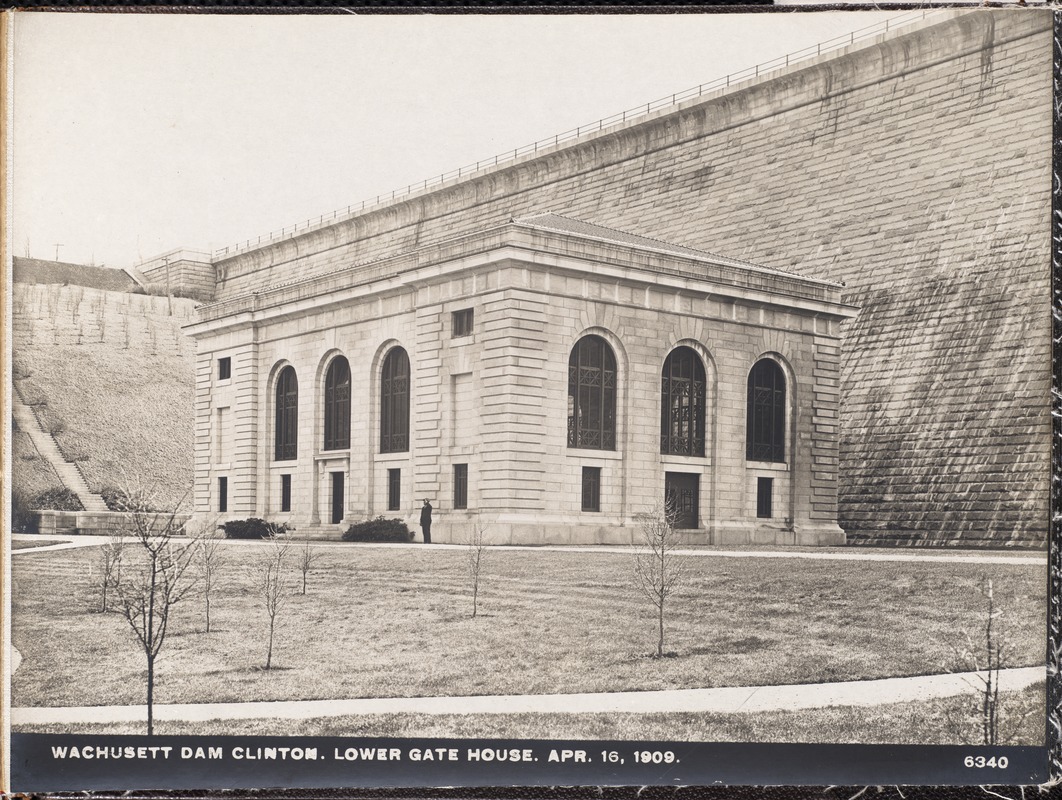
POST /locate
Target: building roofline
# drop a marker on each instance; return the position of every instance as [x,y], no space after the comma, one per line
[552,249]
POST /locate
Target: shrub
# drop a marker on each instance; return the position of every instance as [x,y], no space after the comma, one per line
[253,528]
[378,530]
[120,500]
[23,518]
[57,499]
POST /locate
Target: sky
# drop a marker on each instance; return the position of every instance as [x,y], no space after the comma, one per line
[135,134]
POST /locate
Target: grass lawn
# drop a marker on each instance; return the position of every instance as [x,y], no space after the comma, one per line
[951,720]
[385,622]
[26,544]
[30,473]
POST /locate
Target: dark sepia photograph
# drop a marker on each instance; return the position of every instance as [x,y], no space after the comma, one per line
[512,399]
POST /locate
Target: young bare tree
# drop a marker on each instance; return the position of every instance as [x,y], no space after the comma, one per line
[273,585]
[660,570]
[476,548]
[156,575]
[106,570]
[308,556]
[210,559]
[986,655]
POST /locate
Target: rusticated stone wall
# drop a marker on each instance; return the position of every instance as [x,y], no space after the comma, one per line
[916,168]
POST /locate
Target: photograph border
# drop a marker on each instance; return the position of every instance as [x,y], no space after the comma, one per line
[502,779]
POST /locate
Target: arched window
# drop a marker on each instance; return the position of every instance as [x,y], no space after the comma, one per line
[766,412]
[592,395]
[394,402]
[337,405]
[287,416]
[682,387]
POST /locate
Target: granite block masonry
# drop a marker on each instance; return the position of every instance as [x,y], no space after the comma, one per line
[546,380]
[913,168]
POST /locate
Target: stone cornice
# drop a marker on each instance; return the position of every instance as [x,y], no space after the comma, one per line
[529,248]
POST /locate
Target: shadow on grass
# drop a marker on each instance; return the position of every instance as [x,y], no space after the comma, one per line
[263,670]
[746,644]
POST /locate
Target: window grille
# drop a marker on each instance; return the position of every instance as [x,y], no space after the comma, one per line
[766,413]
[337,405]
[460,485]
[287,416]
[682,404]
[592,395]
[394,489]
[591,488]
[285,493]
[394,402]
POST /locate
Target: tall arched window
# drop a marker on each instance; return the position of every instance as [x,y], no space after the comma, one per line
[682,389]
[592,395]
[337,405]
[394,402]
[766,412]
[286,442]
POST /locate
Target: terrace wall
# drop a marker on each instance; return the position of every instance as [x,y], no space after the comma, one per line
[90,523]
[915,168]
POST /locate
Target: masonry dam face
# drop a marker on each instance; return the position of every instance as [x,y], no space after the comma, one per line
[916,169]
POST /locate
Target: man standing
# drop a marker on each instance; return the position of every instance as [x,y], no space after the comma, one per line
[425,521]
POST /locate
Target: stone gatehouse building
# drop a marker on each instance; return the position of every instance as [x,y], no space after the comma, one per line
[890,165]
[545,378]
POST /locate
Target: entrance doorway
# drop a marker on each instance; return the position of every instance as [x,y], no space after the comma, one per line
[337,497]
[681,490]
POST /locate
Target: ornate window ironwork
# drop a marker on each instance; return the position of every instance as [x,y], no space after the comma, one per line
[592,395]
[286,442]
[337,405]
[766,412]
[682,404]
[394,402]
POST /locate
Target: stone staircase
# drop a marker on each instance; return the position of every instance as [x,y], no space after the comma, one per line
[68,472]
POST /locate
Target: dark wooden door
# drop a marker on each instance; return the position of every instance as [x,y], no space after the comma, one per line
[337,497]
[681,491]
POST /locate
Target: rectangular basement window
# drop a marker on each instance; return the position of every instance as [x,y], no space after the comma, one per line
[285,493]
[764,489]
[223,494]
[224,368]
[591,488]
[462,322]
[394,489]
[460,485]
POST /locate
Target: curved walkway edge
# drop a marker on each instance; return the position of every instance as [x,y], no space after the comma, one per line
[719,701]
[860,554]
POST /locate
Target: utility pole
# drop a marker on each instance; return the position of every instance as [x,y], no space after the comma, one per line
[57,246]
